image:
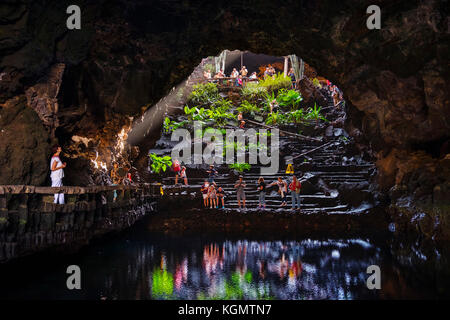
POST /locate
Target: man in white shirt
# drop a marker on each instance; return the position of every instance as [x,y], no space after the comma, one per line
[57,173]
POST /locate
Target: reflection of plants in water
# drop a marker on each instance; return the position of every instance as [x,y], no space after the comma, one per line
[237,287]
[162,284]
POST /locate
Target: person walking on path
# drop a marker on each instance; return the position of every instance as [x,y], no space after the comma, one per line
[211,174]
[295,187]
[240,192]
[262,193]
[57,173]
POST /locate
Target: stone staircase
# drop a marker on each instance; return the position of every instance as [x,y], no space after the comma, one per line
[324,171]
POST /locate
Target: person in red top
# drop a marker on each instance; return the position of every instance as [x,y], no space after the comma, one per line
[176,168]
[295,187]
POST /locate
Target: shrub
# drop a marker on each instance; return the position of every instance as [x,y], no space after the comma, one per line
[204,94]
[276,83]
[247,107]
[160,163]
[240,167]
[252,91]
[289,98]
[170,125]
[276,118]
[314,114]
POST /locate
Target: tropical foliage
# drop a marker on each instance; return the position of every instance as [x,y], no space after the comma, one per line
[204,94]
[252,91]
[273,84]
[289,98]
[240,167]
[247,107]
[160,163]
[171,125]
[314,114]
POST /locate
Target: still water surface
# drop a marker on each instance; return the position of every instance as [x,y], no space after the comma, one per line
[139,265]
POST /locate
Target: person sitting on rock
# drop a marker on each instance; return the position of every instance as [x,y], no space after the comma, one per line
[220,197]
[242,124]
[254,76]
[204,189]
[212,195]
[273,106]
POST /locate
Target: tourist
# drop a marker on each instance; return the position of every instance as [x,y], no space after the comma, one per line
[234,73]
[266,72]
[253,76]
[204,189]
[220,197]
[115,178]
[335,96]
[262,193]
[57,173]
[240,192]
[211,174]
[282,190]
[295,187]
[244,71]
[239,81]
[240,116]
[183,175]
[291,74]
[176,168]
[242,124]
[212,196]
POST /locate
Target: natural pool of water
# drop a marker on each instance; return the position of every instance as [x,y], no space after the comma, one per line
[141,265]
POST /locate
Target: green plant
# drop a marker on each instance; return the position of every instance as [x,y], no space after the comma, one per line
[170,125]
[296,116]
[275,118]
[240,167]
[289,98]
[204,94]
[273,84]
[314,114]
[219,116]
[316,82]
[268,98]
[160,163]
[252,91]
[247,107]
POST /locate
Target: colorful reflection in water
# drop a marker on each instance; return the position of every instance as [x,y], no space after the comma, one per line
[196,268]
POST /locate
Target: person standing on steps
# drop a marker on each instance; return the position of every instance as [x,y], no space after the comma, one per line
[240,192]
[282,190]
[212,195]
[176,168]
[220,197]
[57,173]
[295,187]
[262,193]
[183,175]
[204,189]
